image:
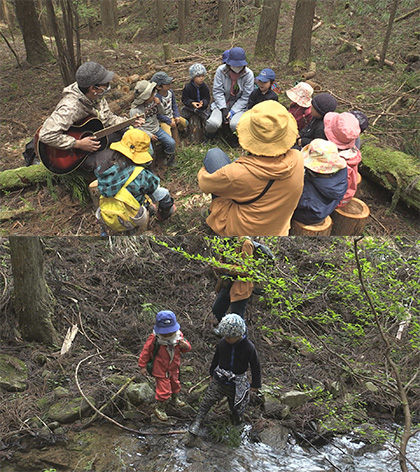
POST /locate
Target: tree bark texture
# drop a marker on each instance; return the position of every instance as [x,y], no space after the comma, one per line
[300,43]
[109,17]
[224,19]
[394,7]
[33,302]
[159,15]
[37,51]
[181,21]
[267,31]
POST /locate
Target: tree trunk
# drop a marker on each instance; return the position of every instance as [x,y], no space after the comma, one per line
[300,44]
[223,16]
[160,17]
[37,51]
[187,8]
[267,32]
[5,14]
[66,57]
[33,302]
[181,21]
[109,18]
[388,32]
[43,19]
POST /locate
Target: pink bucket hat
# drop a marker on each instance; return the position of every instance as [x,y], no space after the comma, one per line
[342,129]
[322,156]
[301,94]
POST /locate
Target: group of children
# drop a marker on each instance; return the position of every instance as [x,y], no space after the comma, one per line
[327,139]
[234,354]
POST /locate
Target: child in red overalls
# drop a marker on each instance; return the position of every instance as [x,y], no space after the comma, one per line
[171,344]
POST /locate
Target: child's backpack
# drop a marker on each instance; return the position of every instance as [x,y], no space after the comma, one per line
[149,365]
[122,212]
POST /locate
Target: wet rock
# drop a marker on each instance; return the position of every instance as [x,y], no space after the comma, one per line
[275,436]
[295,398]
[274,408]
[69,412]
[195,455]
[137,394]
[13,374]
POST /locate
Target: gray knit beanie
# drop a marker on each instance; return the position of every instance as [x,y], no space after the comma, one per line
[232,326]
[92,73]
[196,70]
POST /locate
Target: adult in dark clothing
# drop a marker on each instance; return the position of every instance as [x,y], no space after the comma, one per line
[321,105]
[234,354]
[325,182]
[264,81]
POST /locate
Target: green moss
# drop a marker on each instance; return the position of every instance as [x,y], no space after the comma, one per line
[404,169]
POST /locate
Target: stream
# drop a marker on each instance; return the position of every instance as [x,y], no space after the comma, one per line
[108,449]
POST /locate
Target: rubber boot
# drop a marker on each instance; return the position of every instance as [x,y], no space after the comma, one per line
[160,411]
[176,401]
[170,159]
[166,209]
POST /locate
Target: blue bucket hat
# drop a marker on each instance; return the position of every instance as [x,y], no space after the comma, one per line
[236,58]
[265,75]
[166,322]
[225,56]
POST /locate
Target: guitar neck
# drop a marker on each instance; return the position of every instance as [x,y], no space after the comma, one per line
[114,128]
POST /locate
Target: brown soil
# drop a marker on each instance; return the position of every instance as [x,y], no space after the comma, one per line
[29,94]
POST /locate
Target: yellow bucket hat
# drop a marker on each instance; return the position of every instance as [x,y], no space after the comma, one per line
[268,129]
[134,145]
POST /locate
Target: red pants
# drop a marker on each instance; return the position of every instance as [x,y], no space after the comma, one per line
[165,387]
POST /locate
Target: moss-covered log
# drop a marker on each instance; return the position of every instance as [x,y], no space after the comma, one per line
[25,177]
[397,172]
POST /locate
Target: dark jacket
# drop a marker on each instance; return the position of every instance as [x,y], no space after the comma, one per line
[320,196]
[192,93]
[314,130]
[236,358]
[257,97]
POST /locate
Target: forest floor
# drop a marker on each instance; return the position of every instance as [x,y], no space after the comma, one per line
[390,98]
[112,290]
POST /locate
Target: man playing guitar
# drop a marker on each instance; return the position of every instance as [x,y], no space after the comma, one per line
[62,151]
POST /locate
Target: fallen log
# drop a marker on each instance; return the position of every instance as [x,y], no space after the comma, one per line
[397,172]
[24,177]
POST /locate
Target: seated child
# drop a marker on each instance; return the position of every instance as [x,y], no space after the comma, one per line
[196,94]
[343,129]
[234,354]
[264,81]
[171,117]
[320,105]
[363,123]
[166,360]
[147,104]
[123,157]
[300,107]
[325,182]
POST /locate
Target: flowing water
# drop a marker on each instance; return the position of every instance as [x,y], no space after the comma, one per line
[108,449]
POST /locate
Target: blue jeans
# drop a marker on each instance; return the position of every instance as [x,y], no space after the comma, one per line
[167,141]
[214,159]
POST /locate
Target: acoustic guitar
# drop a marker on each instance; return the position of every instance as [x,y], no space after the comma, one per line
[64,161]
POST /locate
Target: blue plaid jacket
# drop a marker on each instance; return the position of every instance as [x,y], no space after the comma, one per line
[113,174]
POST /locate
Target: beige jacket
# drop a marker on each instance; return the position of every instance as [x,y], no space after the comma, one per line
[73,107]
[245,179]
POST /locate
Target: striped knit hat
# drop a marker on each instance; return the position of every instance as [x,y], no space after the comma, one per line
[197,70]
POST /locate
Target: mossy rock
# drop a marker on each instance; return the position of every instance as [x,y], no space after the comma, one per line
[13,374]
[68,412]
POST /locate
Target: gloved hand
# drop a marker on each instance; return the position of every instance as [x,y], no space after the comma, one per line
[225,112]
